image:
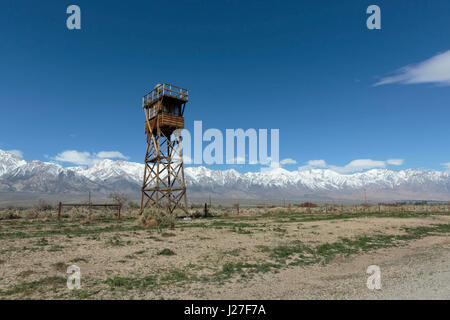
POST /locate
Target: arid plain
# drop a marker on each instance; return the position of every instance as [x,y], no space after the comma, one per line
[275,253]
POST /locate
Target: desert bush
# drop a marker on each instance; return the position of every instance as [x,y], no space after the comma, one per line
[8,214]
[75,213]
[220,211]
[133,205]
[43,205]
[31,213]
[119,198]
[83,213]
[179,212]
[166,252]
[132,212]
[157,217]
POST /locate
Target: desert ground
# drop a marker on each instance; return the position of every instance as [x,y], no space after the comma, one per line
[268,254]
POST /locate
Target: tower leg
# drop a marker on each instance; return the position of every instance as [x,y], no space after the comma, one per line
[163,183]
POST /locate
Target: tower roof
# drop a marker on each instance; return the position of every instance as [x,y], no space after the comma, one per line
[164,89]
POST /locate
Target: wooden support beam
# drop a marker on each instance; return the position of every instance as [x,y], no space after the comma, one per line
[59,211]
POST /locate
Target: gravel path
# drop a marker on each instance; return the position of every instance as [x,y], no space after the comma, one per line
[430,279]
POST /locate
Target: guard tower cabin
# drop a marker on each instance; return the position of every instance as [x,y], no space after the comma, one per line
[164,108]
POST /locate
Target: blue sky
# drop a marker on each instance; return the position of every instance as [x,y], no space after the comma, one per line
[309,68]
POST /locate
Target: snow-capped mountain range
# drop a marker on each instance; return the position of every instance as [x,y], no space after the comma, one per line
[20,176]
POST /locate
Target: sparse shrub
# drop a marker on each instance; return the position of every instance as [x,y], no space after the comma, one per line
[179,212]
[30,213]
[76,213]
[9,214]
[60,266]
[133,205]
[157,217]
[43,205]
[166,252]
[119,198]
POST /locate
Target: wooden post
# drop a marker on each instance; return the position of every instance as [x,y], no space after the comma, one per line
[90,203]
[59,211]
[205,210]
[237,207]
[119,207]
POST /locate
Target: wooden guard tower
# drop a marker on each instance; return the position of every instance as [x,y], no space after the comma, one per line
[164,185]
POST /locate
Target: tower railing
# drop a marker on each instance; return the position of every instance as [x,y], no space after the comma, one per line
[165,89]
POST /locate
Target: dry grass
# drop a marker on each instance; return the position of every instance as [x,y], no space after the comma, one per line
[198,258]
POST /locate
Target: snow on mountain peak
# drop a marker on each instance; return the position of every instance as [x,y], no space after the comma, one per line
[107,169]
[17,174]
[9,161]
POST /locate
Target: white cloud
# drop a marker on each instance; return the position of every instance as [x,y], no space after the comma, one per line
[17,153]
[433,70]
[75,157]
[352,166]
[359,165]
[314,164]
[87,158]
[395,162]
[111,155]
[288,161]
[317,163]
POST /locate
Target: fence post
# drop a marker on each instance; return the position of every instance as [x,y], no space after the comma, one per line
[59,211]
[205,210]
[119,207]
